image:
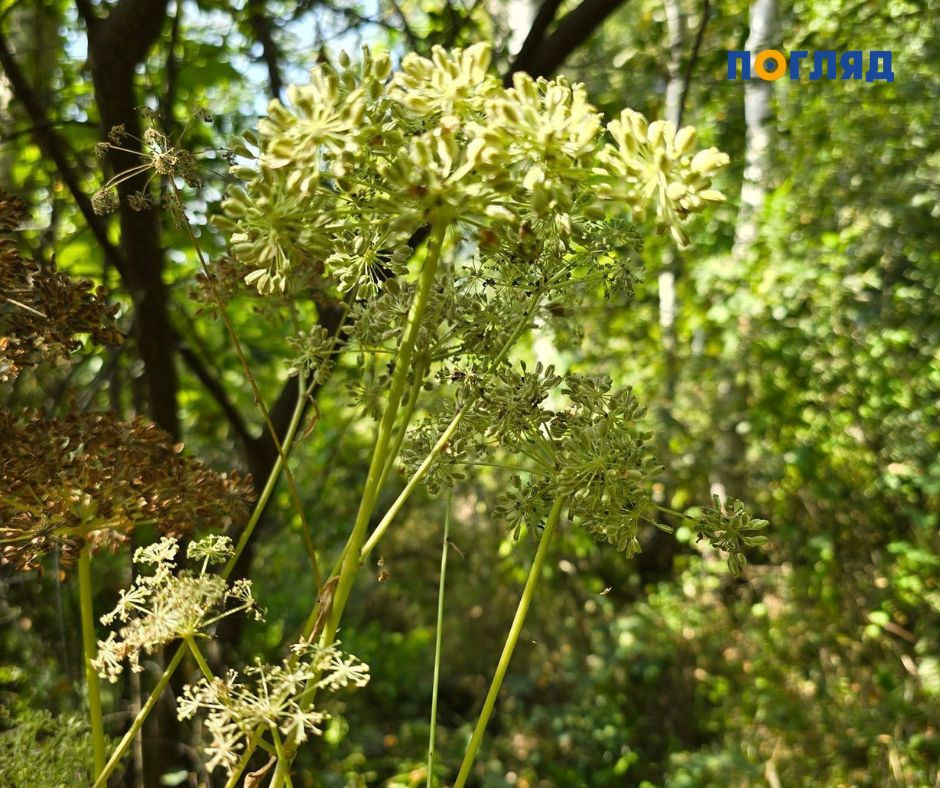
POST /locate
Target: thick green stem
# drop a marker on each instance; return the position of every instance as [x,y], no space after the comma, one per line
[139,719]
[282,773]
[90,645]
[363,552]
[181,650]
[350,564]
[438,641]
[511,640]
[370,494]
[419,368]
[200,659]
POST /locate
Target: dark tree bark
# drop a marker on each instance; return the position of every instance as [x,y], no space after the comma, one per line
[117,45]
[546,53]
[263,30]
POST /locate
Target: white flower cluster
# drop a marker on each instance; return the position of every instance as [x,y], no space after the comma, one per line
[270,697]
[165,605]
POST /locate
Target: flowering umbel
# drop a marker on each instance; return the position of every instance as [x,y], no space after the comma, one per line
[167,604]
[270,697]
[93,477]
[361,159]
[658,167]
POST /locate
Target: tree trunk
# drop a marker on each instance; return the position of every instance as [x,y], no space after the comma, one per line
[116,46]
[731,455]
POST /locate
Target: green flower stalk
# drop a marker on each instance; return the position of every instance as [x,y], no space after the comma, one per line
[449,214]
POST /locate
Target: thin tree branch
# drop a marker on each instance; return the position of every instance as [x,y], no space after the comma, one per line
[693,59]
[56,148]
[413,41]
[535,39]
[572,30]
[86,12]
[172,69]
[52,124]
[262,28]
[214,387]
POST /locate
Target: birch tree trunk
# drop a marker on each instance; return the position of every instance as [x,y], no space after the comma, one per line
[757,114]
[675,29]
[729,476]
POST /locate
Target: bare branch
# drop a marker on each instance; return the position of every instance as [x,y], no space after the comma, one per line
[535,39]
[572,30]
[263,30]
[693,59]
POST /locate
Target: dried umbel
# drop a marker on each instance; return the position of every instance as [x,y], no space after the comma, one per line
[158,156]
[93,477]
[43,310]
[269,697]
[165,604]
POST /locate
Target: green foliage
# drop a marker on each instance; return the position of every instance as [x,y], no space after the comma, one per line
[804,378]
[45,750]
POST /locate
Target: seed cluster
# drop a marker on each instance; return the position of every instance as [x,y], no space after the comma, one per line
[42,310]
[94,477]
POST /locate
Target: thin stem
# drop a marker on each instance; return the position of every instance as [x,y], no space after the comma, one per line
[413,482]
[500,465]
[418,371]
[451,428]
[268,488]
[511,640]
[92,681]
[260,505]
[138,722]
[246,758]
[200,659]
[667,510]
[438,640]
[239,351]
[309,546]
[350,565]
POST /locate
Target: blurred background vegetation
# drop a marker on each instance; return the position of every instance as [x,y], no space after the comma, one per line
[790,357]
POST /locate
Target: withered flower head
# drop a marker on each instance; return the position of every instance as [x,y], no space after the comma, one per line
[41,309]
[92,476]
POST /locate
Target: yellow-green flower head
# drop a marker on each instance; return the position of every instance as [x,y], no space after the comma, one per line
[360,152]
[658,169]
[449,83]
[542,136]
[320,119]
[274,229]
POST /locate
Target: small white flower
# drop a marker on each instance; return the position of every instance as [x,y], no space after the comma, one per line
[269,696]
